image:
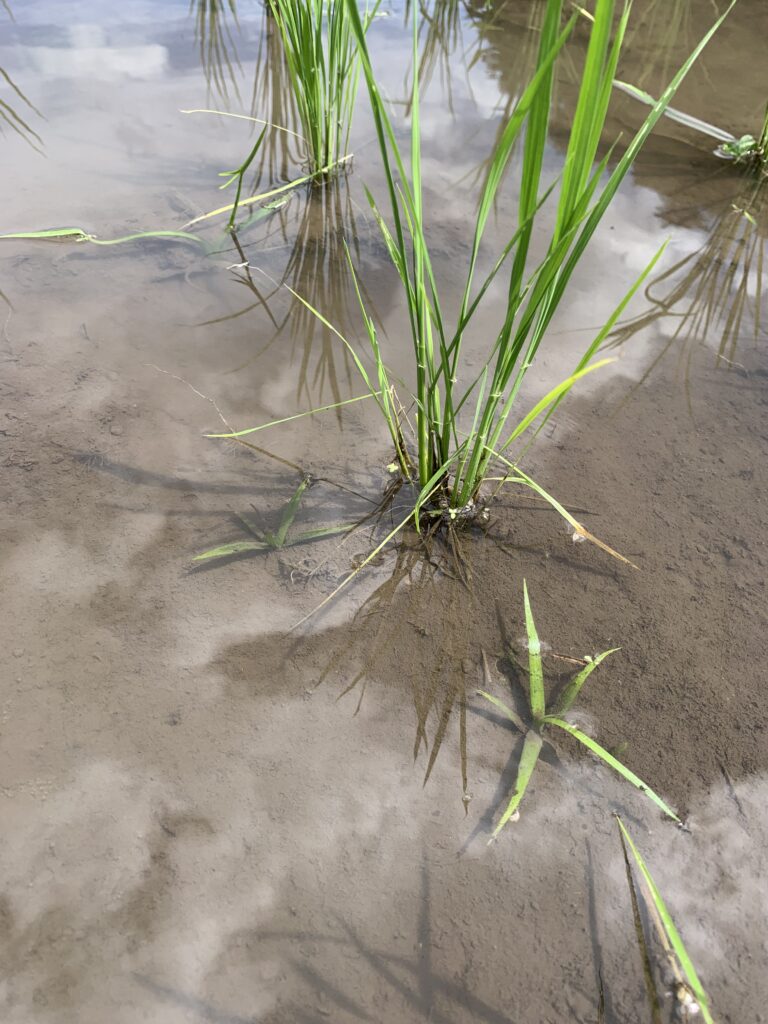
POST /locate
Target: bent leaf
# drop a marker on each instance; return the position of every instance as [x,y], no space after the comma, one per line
[530,755]
[617,766]
[573,689]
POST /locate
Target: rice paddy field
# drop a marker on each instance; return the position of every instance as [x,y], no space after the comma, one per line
[354,764]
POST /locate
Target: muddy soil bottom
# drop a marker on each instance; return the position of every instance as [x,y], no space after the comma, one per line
[198,828]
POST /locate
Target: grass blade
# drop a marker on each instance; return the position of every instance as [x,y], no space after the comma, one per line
[78,235]
[513,716]
[235,548]
[670,931]
[289,513]
[553,396]
[279,190]
[697,125]
[645,954]
[297,416]
[519,477]
[610,760]
[573,689]
[531,749]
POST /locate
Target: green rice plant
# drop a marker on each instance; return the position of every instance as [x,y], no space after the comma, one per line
[690,997]
[542,719]
[265,201]
[323,69]
[464,427]
[267,540]
[238,174]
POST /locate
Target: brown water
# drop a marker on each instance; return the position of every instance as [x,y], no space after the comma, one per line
[196,825]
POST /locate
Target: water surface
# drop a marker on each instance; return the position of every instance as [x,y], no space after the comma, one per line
[196,827]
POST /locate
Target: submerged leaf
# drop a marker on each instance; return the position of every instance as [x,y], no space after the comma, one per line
[78,235]
[507,711]
[235,548]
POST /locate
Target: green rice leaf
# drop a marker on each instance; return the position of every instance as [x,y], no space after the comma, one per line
[279,190]
[697,125]
[670,931]
[552,397]
[246,117]
[531,749]
[241,546]
[235,548]
[290,513]
[519,477]
[52,233]
[535,671]
[78,235]
[610,760]
[573,689]
[297,416]
[513,716]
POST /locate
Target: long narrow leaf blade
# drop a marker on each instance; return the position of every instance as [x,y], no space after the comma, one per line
[610,760]
[573,689]
[535,671]
[507,711]
[671,931]
[528,759]
[238,547]
[296,416]
[289,513]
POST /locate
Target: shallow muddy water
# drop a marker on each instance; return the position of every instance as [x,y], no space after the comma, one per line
[208,816]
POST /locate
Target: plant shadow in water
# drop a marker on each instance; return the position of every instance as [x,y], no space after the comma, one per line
[10,117]
[318,270]
[215,21]
[276,527]
[421,635]
[413,978]
[715,291]
[317,236]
